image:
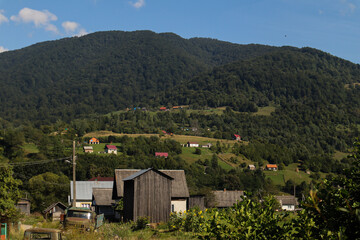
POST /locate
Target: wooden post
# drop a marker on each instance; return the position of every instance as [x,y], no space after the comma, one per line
[74,176]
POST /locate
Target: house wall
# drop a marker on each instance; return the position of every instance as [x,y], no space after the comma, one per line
[288,207]
[83,204]
[151,197]
[197,201]
[178,205]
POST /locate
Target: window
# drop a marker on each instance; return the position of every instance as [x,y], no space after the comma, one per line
[172,208]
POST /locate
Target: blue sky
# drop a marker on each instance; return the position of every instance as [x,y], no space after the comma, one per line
[329,25]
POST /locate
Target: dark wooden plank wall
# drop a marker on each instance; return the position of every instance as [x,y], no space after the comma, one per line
[128,200]
[152,197]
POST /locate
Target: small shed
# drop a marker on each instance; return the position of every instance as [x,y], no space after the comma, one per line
[24,205]
[197,201]
[208,145]
[54,211]
[111,149]
[225,198]
[147,193]
[88,149]
[103,202]
[251,167]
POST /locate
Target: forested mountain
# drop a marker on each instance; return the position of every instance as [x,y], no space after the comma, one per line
[105,71]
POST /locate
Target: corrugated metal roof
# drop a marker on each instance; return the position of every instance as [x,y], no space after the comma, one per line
[84,188]
[287,200]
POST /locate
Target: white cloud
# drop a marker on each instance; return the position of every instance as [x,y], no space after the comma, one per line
[2,17]
[70,27]
[2,49]
[38,18]
[82,32]
[138,4]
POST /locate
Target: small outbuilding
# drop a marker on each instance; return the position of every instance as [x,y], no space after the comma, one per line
[88,149]
[251,167]
[147,193]
[54,211]
[103,202]
[192,144]
[24,206]
[225,198]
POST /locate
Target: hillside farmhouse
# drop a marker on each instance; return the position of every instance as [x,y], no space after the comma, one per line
[111,149]
[94,141]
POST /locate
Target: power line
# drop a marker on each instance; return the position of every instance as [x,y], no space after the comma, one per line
[35,162]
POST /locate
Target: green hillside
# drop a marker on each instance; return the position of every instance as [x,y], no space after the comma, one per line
[105,71]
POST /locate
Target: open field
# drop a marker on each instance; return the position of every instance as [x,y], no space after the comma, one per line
[340,155]
[265,111]
[281,176]
[179,138]
[30,148]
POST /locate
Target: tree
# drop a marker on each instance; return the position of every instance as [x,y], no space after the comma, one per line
[48,188]
[9,193]
[334,204]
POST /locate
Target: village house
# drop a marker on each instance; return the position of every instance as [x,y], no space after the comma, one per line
[161,154]
[111,149]
[251,167]
[208,145]
[84,191]
[94,141]
[163,109]
[103,203]
[287,203]
[179,189]
[54,211]
[237,137]
[88,149]
[271,167]
[225,198]
[192,144]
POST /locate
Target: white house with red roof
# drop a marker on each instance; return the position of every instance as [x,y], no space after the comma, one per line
[237,137]
[111,149]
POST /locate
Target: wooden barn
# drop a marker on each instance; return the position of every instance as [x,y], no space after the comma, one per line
[147,193]
[179,190]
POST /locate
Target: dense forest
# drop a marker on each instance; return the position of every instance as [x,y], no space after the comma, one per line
[105,71]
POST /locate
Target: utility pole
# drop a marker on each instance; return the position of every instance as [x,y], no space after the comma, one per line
[74,176]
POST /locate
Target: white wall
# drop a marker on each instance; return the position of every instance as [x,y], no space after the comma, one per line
[179,205]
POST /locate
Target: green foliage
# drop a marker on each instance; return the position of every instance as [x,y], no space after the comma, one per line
[335,203]
[48,188]
[9,193]
[141,223]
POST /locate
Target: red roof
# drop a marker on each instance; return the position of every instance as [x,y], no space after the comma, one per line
[237,136]
[163,131]
[163,108]
[112,147]
[98,178]
[161,154]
